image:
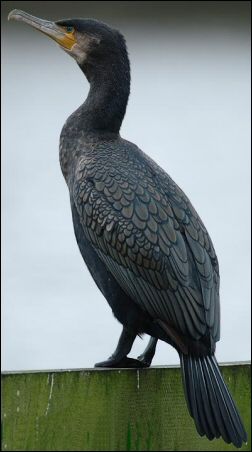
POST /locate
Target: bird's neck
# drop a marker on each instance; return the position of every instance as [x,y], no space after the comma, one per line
[105,106]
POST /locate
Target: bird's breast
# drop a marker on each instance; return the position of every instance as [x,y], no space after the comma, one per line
[70,148]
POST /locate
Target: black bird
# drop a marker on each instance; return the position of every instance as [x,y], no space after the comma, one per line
[140,237]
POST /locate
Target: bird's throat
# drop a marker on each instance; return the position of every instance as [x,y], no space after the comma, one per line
[105,106]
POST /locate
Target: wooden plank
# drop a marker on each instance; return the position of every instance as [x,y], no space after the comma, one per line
[120,409]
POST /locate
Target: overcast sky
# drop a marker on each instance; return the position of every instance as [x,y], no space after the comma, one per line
[189,109]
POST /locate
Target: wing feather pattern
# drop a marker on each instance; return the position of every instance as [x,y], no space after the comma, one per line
[149,236]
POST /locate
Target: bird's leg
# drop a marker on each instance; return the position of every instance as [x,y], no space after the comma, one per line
[119,357]
[147,356]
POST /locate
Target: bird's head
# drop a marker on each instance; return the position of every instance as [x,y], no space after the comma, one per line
[101,53]
[88,41]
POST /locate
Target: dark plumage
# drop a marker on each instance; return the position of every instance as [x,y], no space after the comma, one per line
[143,242]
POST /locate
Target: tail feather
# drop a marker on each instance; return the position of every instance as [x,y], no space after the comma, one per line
[209,401]
[213,431]
[204,415]
[214,404]
[230,403]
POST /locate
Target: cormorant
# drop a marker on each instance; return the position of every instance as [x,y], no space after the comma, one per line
[140,237]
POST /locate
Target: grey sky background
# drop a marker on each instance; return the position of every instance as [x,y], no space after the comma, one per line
[189,109]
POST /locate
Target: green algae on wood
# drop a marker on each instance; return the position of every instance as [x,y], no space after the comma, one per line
[109,410]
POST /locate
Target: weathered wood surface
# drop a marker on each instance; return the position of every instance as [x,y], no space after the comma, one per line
[117,410]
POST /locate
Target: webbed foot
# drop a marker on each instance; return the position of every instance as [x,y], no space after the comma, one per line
[124,362]
[145,360]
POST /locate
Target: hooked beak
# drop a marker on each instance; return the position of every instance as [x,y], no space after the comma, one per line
[56,32]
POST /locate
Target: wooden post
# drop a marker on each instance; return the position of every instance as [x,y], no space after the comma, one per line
[102,410]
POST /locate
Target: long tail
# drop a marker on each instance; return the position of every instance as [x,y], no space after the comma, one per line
[209,401]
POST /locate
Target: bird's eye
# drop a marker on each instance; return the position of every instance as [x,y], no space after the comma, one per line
[69,29]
